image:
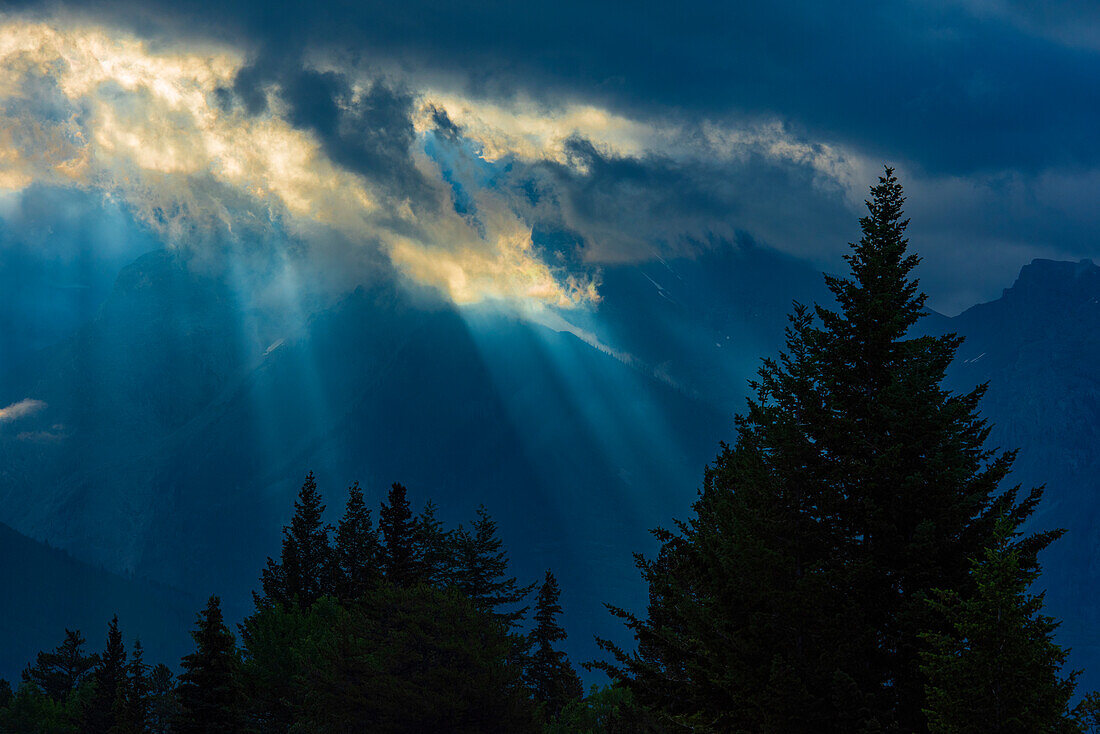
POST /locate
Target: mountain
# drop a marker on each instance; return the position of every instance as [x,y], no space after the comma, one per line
[46,591]
[169,434]
[174,428]
[1038,347]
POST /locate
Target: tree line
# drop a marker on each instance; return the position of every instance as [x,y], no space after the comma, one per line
[401,627]
[856,561]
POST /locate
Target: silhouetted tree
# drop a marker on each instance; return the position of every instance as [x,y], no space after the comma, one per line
[436,549]
[209,690]
[400,551]
[304,570]
[103,709]
[550,676]
[163,703]
[997,669]
[482,568]
[137,697]
[58,673]
[795,598]
[356,553]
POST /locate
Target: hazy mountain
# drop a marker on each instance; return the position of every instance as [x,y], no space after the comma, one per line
[46,591]
[173,429]
[1038,347]
[173,432]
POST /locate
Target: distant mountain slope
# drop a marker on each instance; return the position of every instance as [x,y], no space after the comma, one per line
[164,343]
[1038,347]
[173,432]
[47,591]
[173,437]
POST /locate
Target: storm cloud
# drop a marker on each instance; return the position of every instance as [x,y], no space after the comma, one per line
[630,135]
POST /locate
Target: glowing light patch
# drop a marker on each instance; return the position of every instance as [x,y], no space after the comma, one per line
[95,108]
[535,132]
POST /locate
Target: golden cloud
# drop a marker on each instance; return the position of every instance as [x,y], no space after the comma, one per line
[96,108]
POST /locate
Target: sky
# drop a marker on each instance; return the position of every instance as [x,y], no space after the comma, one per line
[512,151]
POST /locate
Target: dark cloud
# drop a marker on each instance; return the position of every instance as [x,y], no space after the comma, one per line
[937,84]
[989,106]
[625,208]
[369,131]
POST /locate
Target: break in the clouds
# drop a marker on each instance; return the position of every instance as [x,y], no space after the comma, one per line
[510,152]
[450,189]
[95,108]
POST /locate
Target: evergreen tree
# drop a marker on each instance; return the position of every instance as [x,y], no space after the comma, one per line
[303,573]
[278,650]
[413,660]
[137,694]
[163,702]
[997,670]
[609,710]
[435,548]
[919,491]
[209,693]
[400,553]
[1087,712]
[550,676]
[794,599]
[356,552]
[102,710]
[482,567]
[58,673]
[31,710]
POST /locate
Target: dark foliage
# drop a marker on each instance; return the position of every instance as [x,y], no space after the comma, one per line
[105,708]
[58,673]
[997,669]
[357,554]
[401,558]
[795,598]
[209,687]
[304,570]
[416,660]
[552,679]
[481,572]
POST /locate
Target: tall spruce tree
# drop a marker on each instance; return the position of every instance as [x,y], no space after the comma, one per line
[794,599]
[401,559]
[58,673]
[209,687]
[436,548]
[163,702]
[102,710]
[304,571]
[356,551]
[138,693]
[482,571]
[997,669]
[918,491]
[551,677]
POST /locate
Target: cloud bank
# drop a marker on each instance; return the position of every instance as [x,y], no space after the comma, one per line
[158,130]
[510,155]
